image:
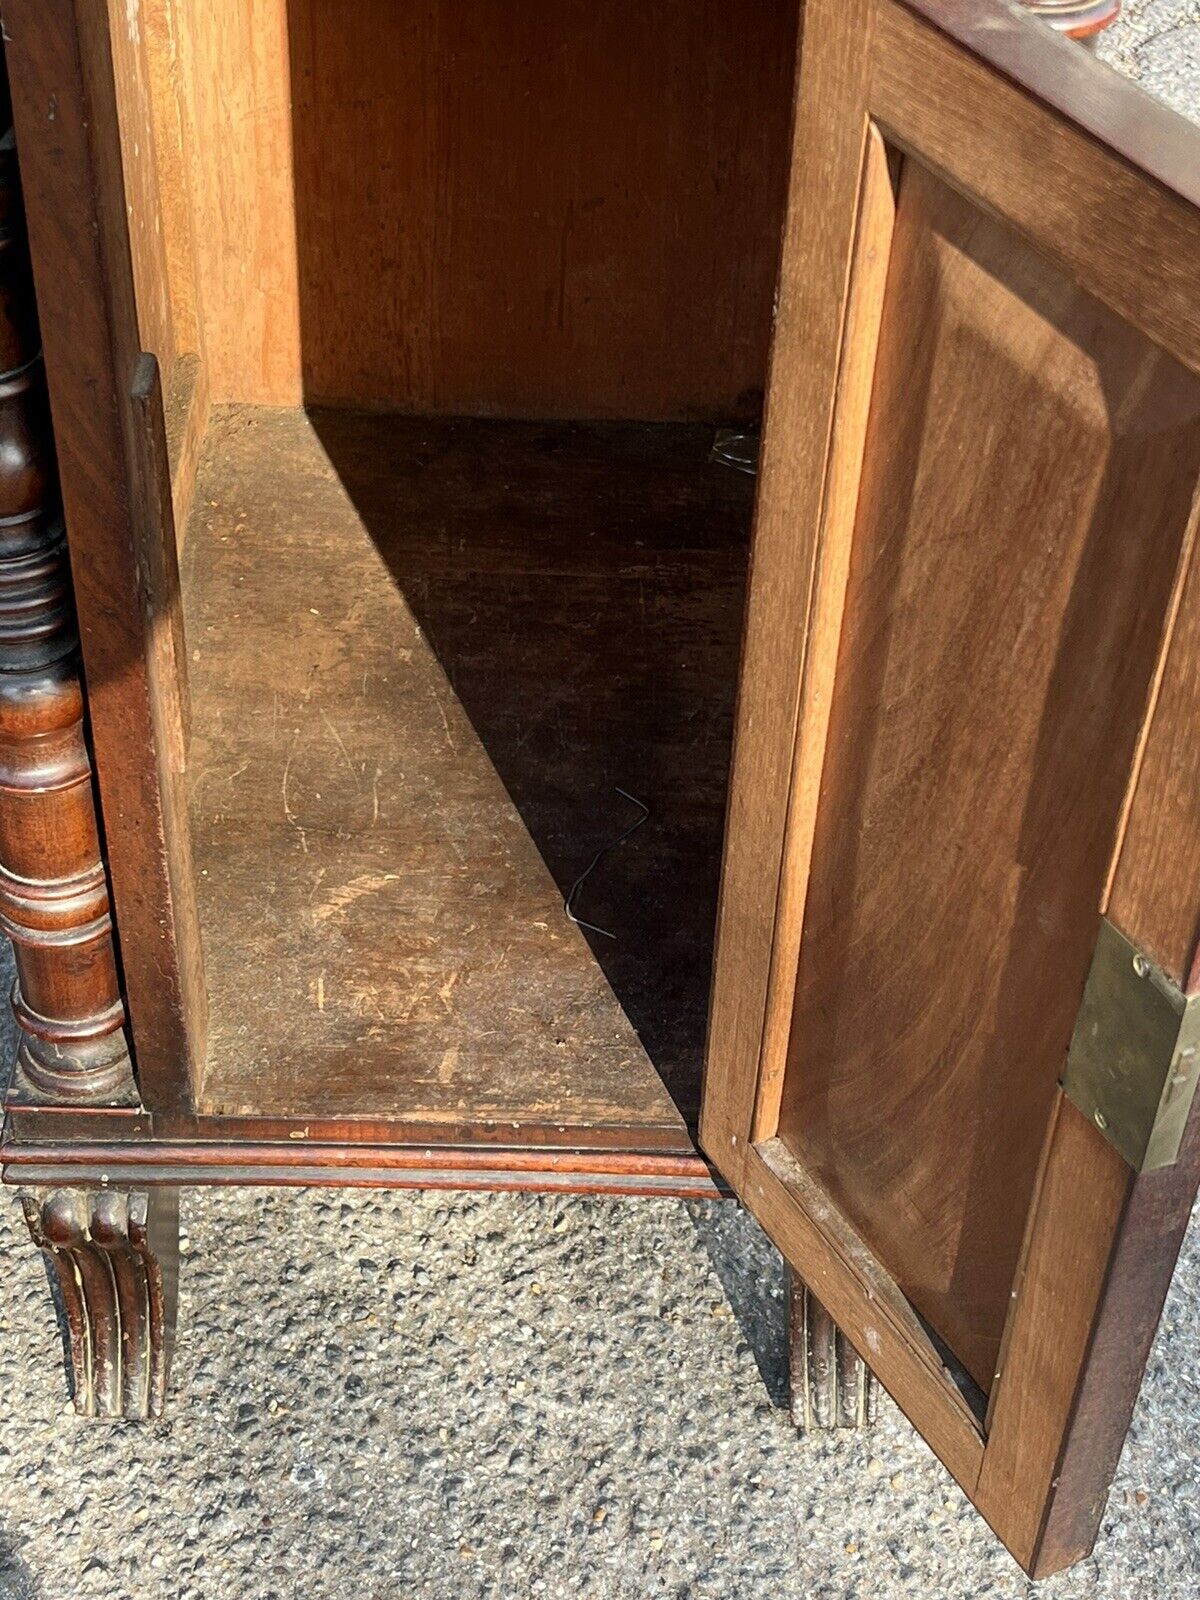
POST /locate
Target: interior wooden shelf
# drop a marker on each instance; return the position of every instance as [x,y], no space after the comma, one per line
[424,657]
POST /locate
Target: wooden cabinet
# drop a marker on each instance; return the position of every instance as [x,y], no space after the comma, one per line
[384,354]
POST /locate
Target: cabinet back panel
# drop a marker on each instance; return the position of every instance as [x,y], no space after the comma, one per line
[461,206]
[567,209]
[1029,468]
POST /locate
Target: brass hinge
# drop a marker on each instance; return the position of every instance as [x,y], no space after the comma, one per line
[1135,1054]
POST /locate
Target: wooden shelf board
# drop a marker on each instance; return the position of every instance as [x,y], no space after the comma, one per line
[423,657]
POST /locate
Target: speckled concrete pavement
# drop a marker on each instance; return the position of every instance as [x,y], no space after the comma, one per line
[449,1396]
[421,1395]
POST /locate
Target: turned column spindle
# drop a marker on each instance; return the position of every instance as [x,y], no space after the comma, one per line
[54,901]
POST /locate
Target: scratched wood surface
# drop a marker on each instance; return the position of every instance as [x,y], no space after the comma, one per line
[423,657]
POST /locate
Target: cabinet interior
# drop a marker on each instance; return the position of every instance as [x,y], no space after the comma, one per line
[448,302]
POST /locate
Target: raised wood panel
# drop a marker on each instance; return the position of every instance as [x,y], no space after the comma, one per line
[1029,469]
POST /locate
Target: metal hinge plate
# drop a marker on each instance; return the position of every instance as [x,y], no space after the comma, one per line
[1134,1059]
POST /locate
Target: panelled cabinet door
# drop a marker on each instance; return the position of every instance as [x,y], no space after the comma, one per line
[965,818]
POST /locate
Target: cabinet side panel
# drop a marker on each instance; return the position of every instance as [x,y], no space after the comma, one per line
[158,172]
[234,82]
[1029,468]
[143,188]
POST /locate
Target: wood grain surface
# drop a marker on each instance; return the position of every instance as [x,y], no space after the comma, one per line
[822,226]
[1028,478]
[856,382]
[569,209]
[235,88]
[60,56]
[1155,892]
[1081,201]
[566,210]
[861,1296]
[54,899]
[143,186]
[1081,91]
[236,1159]
[160,172]
[1063,1276]
[423,657]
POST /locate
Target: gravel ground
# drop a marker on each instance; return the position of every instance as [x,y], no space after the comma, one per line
[454,1396]
[450,1396]
[1157,43]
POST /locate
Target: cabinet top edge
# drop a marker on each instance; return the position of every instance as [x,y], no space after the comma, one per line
[1076,85]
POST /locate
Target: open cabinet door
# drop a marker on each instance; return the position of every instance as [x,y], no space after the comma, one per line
[951,1054]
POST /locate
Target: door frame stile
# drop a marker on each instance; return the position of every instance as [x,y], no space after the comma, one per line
[863,319]
[819,229]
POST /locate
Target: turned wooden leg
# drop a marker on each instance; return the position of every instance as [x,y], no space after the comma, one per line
[114,1257]
[831,1385]
[54,902]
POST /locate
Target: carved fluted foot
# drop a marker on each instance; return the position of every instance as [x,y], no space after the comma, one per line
[831,1385]
[114,1258]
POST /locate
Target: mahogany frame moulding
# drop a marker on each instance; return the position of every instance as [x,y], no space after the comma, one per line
[1098,179]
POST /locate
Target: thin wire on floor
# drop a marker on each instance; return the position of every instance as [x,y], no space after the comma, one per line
[569,902]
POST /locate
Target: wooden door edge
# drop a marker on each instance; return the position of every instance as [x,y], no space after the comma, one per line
[820,228]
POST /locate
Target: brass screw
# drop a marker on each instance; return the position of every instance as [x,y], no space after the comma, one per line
[1141,966]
